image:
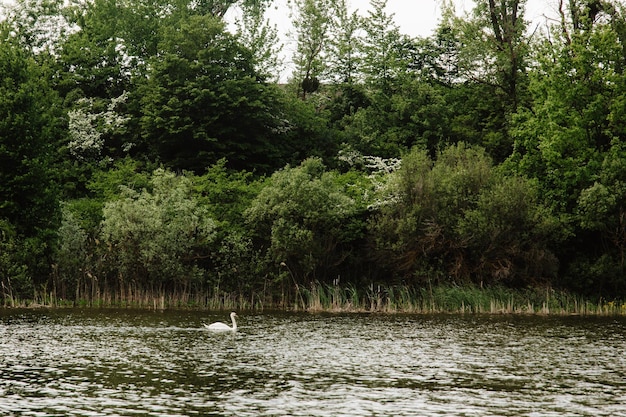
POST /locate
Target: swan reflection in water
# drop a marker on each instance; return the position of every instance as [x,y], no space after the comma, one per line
[222,327]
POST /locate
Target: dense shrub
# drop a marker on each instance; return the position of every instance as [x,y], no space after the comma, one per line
[456,220]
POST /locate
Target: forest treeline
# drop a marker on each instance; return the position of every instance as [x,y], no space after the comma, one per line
[148,146]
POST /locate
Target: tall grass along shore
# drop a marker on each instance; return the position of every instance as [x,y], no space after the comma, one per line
[331,298]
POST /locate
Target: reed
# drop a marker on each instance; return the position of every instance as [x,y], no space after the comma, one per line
[320,297]
[454,299]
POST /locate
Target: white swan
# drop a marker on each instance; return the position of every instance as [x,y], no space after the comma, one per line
[221,327]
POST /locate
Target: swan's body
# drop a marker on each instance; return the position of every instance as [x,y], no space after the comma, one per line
[222,327]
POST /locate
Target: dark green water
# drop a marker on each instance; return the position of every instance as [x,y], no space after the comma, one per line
[138,363]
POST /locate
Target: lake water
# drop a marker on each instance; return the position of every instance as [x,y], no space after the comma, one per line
[140,363]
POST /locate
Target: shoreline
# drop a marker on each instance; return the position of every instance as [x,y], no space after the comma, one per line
[321,298]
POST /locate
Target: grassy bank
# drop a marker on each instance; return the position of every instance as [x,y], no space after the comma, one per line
[327,298]
[447,299]
[141,299]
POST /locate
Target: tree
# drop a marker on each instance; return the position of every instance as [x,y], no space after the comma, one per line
[158,236]
[311,22]
[94,60]
[40,25]
[414,115]
[437,57]
[601,208]
[568,141]
[455,220]
[15,278]
[344,45]
[510,235]
[219,8]
[488,54]
[226,194]
[89,127]
[306,220]
[203,101]
[343,60]
[256,32]
[495,47]
[29,126]
[72,258]
[382,57]
[562,138]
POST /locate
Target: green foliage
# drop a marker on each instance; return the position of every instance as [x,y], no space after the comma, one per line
[15,281]
[257,33]
[92,60]
[203,101]
[72,256]
[157,236]
[311,22]
[509,235]
[601,209]
[219,8]
[27,193]
[569,141]
[305,131]
[304,216]
[495,49]
[455,220]
[226,194]
[600,205]
[344,44]
[104,186]
[28,128]
[561,140]
[381,61]
[437,56]
[481,154]
[391,125]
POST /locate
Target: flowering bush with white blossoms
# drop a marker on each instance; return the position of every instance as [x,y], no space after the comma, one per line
[88,127]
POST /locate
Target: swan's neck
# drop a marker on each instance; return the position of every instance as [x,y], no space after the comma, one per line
[234,322]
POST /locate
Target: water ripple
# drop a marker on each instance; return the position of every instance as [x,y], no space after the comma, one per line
[127,363]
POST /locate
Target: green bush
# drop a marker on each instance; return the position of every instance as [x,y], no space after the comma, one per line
[156,237]
[456,220]
[306,218]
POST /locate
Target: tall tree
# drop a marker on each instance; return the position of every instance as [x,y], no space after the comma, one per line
[311,22]
[437,57]
[203,101]
[219,8]
[344,47]
[577,111]
[261,37]
[570,141]
[29,126]
[93,60]
[488,50]
[496,47]
[382,60]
